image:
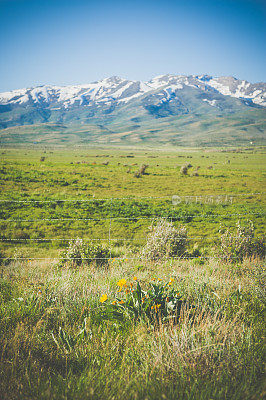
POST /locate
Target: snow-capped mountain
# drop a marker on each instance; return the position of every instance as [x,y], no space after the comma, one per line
[169,108]
[121,91]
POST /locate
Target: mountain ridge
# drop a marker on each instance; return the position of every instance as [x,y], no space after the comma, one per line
[112,88]
[185,110]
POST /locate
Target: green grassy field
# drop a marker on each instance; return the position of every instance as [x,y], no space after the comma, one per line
[92,193]
[59,341]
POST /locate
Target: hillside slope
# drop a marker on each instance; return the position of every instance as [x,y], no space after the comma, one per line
[178,110]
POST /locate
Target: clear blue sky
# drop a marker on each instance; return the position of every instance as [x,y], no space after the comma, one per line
[65,42]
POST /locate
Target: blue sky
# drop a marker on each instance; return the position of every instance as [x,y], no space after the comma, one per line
[65,42]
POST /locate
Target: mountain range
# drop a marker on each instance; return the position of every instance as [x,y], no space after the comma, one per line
[169,109]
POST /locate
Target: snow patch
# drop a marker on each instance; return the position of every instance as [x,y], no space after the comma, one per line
[210,102]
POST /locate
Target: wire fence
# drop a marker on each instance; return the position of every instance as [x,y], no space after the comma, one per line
[131,198]
[152,217]
[137,257]
[181,216]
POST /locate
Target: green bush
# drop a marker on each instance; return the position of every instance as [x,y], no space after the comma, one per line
[80,252]
[184,170]
[165,240]
[235,246]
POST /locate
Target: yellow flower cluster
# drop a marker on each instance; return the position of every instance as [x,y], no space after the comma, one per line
[156,307]
[145,297]
[122,283]
[103,298]
[128,288]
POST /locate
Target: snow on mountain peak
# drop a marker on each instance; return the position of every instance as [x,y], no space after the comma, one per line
[116,89]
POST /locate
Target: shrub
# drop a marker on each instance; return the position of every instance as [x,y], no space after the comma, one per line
[235,247]
[79,253]
[142,169]
[165,240]
[20,234]
[184,170]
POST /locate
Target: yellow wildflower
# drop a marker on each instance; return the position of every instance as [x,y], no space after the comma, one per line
[114,302]
[121,302]
[121,283]
[135,278]
[103,298]
[156,307]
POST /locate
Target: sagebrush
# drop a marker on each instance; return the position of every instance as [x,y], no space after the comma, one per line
[165,240]
[80,252]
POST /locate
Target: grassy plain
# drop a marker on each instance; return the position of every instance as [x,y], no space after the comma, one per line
[54,343]
[109,191]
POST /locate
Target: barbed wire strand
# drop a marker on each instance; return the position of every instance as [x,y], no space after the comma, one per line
[111,239]
[103,258]
[110,219]
[134,218]
[129,198]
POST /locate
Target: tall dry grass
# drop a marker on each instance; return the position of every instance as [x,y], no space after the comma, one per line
[215,351]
